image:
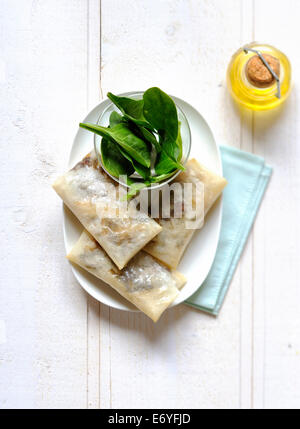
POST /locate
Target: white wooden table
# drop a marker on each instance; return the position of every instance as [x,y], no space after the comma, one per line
[58,346]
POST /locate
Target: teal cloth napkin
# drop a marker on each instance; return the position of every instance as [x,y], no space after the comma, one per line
[247,177]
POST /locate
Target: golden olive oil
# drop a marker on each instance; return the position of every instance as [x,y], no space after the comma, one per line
[252,96]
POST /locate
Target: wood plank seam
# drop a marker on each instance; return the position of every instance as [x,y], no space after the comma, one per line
[246,267]
[93,60]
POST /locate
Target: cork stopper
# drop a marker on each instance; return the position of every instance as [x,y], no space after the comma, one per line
[257,72]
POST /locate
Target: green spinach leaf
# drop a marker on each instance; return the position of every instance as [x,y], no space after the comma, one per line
[166,164]
[161,177]
[131,109]
[160,111]
[121,134]
[115,119]
[144,172]
[145,134]
[113,160]
[148,135]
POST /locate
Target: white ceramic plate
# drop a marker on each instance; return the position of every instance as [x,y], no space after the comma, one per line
[199,255]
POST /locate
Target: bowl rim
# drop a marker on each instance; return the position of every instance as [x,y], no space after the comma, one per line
[152,186]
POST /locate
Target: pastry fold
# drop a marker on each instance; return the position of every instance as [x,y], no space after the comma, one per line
[146,283]
[93,197]
[169,245]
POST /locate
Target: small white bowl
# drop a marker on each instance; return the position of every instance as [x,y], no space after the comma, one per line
[186,137]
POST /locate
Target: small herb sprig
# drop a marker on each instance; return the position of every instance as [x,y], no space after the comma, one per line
[144,138]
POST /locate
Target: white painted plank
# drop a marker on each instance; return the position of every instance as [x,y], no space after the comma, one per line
[44,95]
[277,234]
[188,359]
[105,358]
